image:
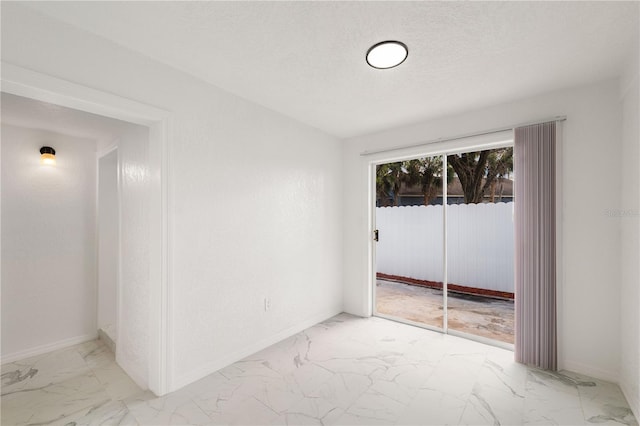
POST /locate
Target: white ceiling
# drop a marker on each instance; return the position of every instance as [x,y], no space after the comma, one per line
[307,59]
[32,114]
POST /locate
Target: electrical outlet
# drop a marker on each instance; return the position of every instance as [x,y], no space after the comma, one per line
[267,304]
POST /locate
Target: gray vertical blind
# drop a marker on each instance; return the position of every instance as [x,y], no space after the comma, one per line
[535,245]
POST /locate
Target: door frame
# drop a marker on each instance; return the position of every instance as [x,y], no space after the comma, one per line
[459,145]
[99,156]
[42,87]
[372,207]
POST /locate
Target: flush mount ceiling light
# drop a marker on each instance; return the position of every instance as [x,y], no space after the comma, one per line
[47,155]
[387,54]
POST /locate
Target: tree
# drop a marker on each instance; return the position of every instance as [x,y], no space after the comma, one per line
[500,165]
[479,170]
[389,178]
[426,172]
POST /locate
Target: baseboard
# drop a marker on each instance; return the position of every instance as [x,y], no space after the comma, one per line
[107,339]
[49,347]
[587,370]
[222,362]
[633,402]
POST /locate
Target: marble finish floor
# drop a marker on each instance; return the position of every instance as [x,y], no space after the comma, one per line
[343,371]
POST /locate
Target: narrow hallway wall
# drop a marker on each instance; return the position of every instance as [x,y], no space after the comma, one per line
[48,242]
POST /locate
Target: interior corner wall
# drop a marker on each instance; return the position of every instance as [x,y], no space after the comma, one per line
[589,323]
[48,243]
[254,200]
[629,221]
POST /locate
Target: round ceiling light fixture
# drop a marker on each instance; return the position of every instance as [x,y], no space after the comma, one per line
[387,54]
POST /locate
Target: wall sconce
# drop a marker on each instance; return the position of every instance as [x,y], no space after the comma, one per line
[48,155]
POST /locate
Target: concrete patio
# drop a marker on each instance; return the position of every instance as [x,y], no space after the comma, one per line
[481,316]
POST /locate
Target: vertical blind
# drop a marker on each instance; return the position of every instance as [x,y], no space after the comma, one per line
[535,245]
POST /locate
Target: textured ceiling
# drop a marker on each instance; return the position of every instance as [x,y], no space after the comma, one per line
[307,59]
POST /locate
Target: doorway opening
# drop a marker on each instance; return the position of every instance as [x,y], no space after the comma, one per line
[445,244]
[64,217]
[144,327]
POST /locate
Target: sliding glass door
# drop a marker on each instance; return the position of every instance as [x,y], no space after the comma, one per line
[480,244]
[444,250]
[409,218]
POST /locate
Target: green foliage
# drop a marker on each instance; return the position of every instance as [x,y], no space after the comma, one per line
[478,171]
[389,178]
[425,172]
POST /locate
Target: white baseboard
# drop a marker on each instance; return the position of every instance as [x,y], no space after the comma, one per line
[634,403]
[213,366]
[588,370]
[49,347]
[107,339]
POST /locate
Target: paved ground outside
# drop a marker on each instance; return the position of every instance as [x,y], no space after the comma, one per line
[482,316]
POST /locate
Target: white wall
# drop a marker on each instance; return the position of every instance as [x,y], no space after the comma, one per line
[132,340]
[255,200]
[629,221]
[48,246]
[108,244]
[590,291]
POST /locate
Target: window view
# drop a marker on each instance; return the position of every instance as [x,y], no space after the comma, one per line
[480,244]
[477,189]
[409,252]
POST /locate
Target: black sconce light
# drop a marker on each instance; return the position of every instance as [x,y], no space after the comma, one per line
[48,155]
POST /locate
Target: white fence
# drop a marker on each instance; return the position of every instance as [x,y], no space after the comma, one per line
[480,244]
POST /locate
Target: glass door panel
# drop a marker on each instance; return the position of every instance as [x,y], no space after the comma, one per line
[409,218]
[480,244]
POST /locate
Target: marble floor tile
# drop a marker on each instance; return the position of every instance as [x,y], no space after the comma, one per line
[53,402]
[342,389]
[456,374]
[432,407]
[489,404]
[313,411]
[247,411]
[77,385]
[343,371]
[382,401]
[603,403]
[173,409]
[41,370]
[349,419]
[109,413]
